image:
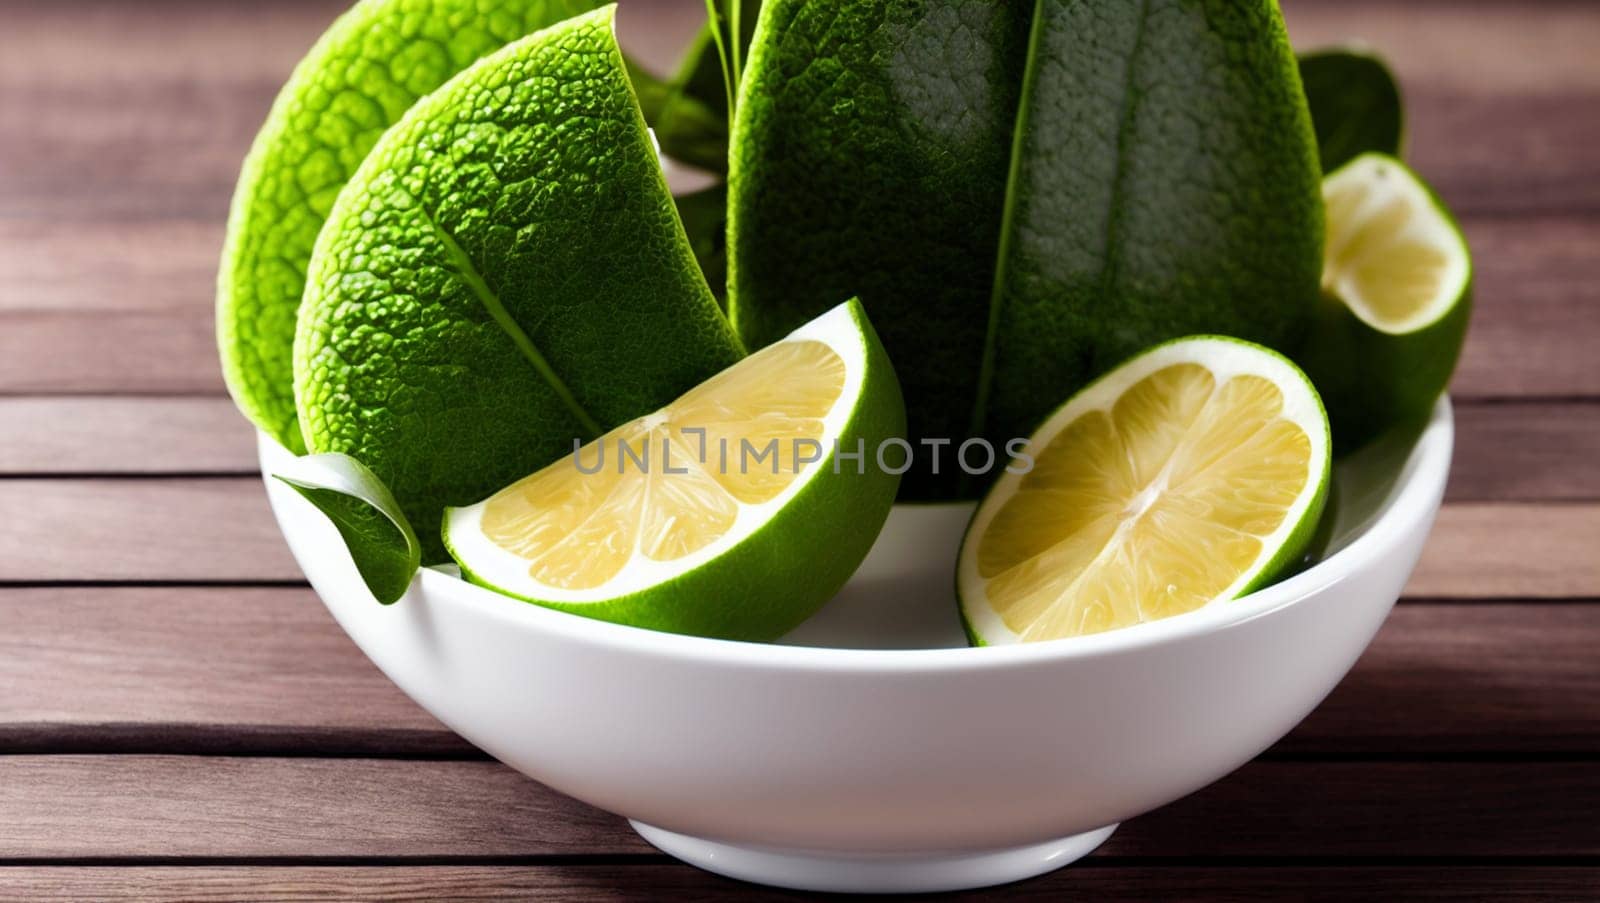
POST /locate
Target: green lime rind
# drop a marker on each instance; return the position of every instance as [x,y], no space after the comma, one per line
[1022,194]
[1372,380]
[766,585]
[1355,103]
[1290,554]
[362,75]
[504,274]
[376,533]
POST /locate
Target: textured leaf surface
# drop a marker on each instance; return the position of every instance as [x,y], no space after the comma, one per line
[1022,195]
[366,71]
[1355,105]
[380,540]
[504,274]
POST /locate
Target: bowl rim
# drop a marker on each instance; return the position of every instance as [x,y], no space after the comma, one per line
[1423,475]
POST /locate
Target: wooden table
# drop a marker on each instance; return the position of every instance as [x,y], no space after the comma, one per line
[179,714]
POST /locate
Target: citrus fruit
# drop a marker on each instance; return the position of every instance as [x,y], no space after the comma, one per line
[1193,473]
[700,536]
[1397,285]
[366,70]
[1022,194]
[505,273]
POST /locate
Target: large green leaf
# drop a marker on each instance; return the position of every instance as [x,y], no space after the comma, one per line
[1022,194]
[1355,104]
[367,70]
[503,275]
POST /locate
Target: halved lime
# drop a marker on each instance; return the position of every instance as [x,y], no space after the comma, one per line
[1396,280]
[726,513]
[1190,474]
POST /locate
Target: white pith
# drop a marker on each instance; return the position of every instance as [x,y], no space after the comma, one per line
[1225,359]
[508,572]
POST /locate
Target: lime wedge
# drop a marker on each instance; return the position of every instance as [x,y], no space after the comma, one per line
[1188,475]
[725,513]
[1396,280]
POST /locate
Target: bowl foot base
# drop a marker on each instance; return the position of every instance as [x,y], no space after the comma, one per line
[884,873]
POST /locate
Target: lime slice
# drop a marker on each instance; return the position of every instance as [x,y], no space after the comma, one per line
[1397,281]
[725,513]
[1190,474]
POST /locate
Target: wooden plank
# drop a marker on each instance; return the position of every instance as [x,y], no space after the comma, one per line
[1504,452]
[652,881]
[158,529]
[219,529]
[108,112]
[146,265]
[109,352]
[1467,678]
[89,435]
[1479,551]
[1535,321]
[267,671]
[136,318]
[1526,452]
[60,807]
[241,670]
[76,806]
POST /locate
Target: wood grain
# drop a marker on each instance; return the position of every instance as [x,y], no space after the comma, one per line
[77,806]
[267,672]
[1526,452]
[129,435]
[1467,678]
[220,530]
[158,529]
[1479,551]
[240,670]
[644,881]
[61,807]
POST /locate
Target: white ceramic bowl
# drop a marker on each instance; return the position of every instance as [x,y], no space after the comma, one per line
[846,761]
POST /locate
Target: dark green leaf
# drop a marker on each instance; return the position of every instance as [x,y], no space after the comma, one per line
[1022,195]
[1355,104]
[379,537]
